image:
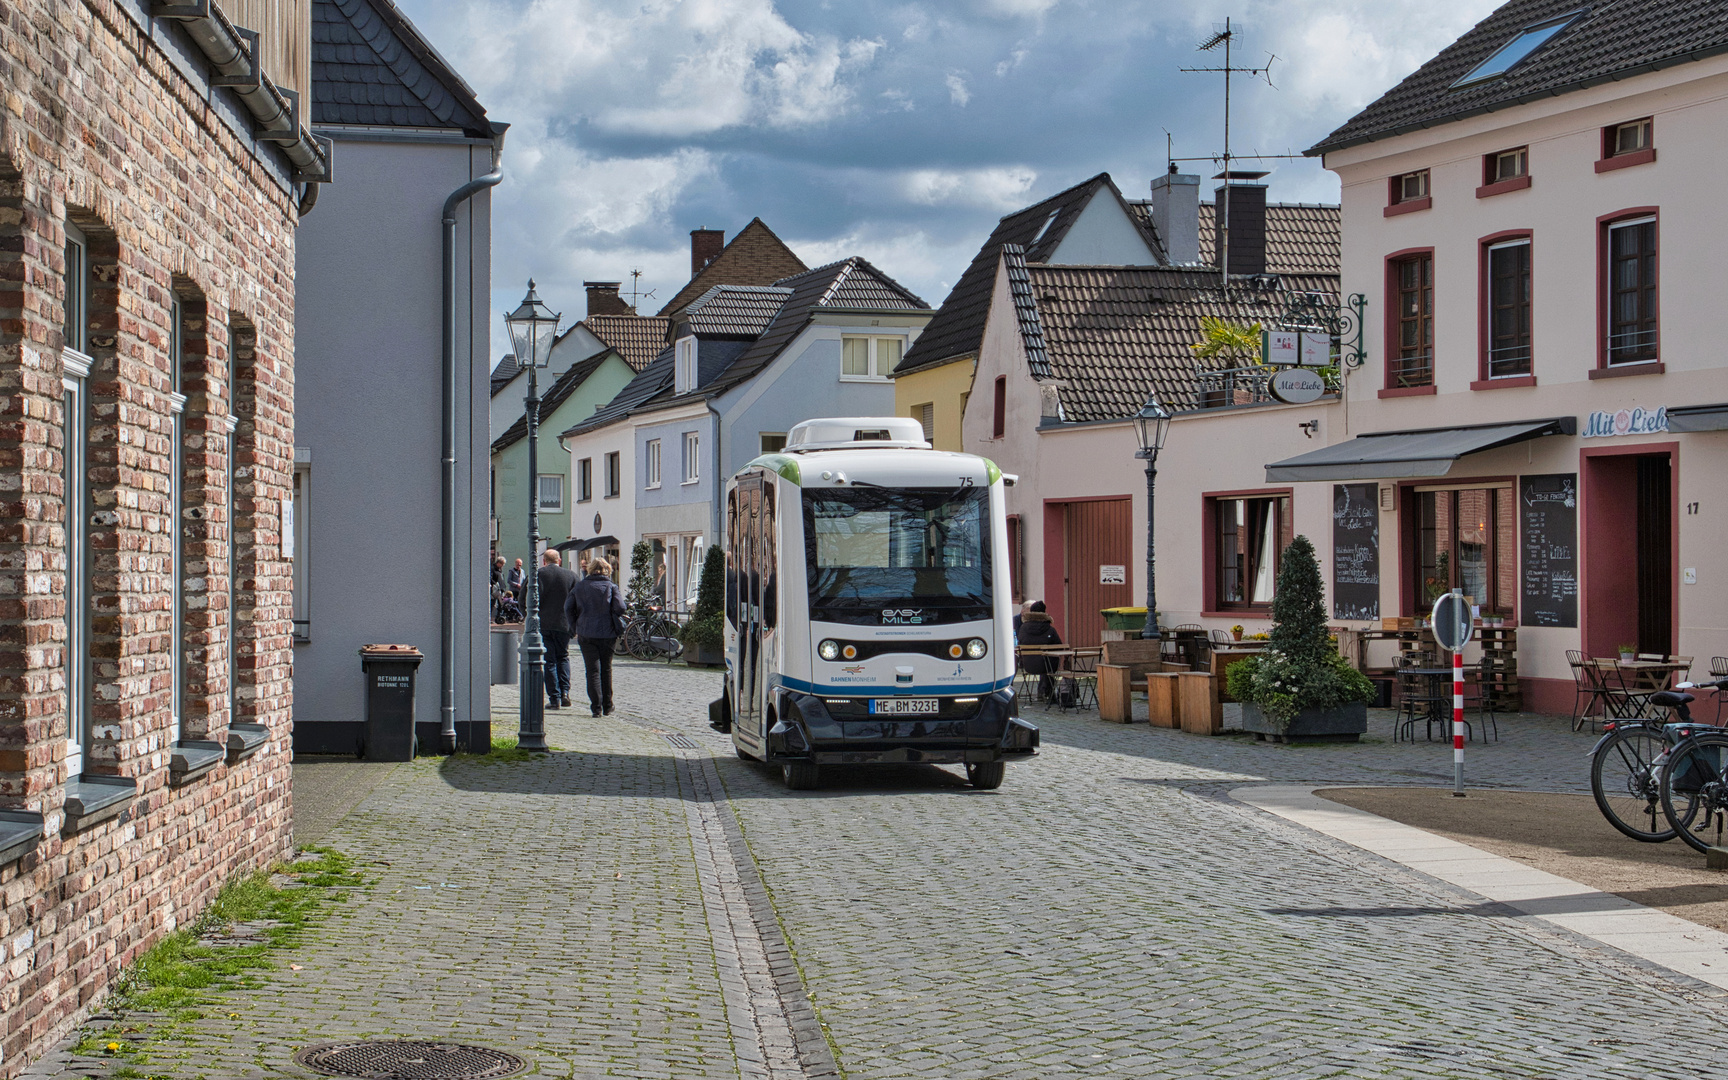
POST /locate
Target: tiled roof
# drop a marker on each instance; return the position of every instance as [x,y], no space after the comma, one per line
[651,380]
[811,291]
[638,338]
[1026,311]
[555,395]
[1613,40]
[1301,238]
[734,310]
[504,372]
[753,257]
[958,325]
[370,66]
[1114,333]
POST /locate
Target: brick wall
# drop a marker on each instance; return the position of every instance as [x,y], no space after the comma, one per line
[99,128]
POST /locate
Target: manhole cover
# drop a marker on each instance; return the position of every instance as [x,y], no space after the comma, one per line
[682,742]
[403,1060]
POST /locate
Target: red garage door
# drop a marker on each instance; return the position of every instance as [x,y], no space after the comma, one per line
[1097,550]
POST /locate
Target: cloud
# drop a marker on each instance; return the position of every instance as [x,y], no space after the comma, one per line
[925,263]
[997,188]
[1020,8]
[957,92]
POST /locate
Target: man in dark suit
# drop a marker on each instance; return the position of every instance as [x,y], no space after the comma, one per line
[555,585]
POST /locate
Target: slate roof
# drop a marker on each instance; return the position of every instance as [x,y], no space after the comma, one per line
[810,292]
[733,310]
[370,66]
[555,395]
[1113,333]
[1613,40]
[504,372]
[637,338]
[958,325]
[651,380]
[755,256]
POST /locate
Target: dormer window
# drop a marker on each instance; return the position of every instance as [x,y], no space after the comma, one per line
[1519,49]
[684,366]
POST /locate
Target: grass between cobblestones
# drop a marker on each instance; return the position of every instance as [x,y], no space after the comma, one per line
[504,751]
[182,978]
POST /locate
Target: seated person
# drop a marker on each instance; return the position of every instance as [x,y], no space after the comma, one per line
[1037,629]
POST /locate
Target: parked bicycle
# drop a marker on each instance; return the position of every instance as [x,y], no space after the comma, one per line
[651,634]
[1693,782]
[1627,766]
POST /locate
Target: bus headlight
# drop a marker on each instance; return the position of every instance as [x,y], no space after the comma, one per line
[976,648]
[829,650]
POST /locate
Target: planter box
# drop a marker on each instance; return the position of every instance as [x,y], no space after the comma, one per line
[1115,693]
[696,657]
[1346,723]
[1163,703]
[1202,712]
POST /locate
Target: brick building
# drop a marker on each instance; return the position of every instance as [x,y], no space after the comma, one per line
[153,167]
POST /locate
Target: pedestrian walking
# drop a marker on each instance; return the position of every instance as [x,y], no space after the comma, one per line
[596,611]
[517,580]
[556,584]
[1037,629]
[497,588]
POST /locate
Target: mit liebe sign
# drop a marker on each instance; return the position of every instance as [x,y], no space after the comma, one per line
[1635,421]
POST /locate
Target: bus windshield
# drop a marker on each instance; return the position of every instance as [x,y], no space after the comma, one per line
[898,556]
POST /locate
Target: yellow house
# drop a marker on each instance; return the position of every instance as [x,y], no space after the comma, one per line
[935,396]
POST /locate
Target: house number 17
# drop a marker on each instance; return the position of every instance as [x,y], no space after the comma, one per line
[1692,508]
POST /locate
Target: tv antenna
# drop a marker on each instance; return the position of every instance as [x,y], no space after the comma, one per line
[637,295]
[1227,37]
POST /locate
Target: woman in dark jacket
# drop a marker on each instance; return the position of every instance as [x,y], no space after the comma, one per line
[595,609]
[1037,629]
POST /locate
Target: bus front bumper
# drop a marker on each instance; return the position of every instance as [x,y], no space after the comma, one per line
[831,732]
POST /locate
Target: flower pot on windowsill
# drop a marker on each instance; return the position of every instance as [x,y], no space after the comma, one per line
[1344,723]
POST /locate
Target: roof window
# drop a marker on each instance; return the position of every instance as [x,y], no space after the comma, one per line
[1049,221]
[1514,52]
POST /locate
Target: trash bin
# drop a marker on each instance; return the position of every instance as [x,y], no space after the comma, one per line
[389,672]
[1123,618]
[506,645]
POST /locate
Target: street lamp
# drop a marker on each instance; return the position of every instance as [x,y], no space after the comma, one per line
[1151,424]
[533,328]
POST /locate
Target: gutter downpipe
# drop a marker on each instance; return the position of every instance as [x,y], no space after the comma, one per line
[447,642]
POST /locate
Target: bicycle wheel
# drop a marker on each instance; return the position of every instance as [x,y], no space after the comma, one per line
[635,640]
[1623,777]
[1694,789]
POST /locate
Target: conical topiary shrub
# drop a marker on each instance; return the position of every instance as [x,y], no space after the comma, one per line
[703,632]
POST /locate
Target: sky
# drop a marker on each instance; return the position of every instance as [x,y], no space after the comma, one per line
[899,131]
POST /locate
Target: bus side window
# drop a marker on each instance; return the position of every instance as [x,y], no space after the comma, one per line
[732,556]
[770,560]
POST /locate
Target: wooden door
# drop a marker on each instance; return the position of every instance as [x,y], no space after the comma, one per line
[1097,544]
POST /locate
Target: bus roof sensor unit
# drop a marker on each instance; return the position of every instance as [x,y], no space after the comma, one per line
[855,432]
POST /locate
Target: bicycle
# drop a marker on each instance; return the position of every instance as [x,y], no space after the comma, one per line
[1696,771]
[1626,769]
[651,634]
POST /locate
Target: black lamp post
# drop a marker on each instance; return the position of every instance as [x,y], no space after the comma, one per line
[533,328]
[1151,424]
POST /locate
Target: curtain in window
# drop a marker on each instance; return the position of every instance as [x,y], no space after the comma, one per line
[887,355]
[855,356]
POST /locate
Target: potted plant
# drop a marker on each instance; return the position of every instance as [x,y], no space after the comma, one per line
[1300,688]
[703,639]
[1236,631]
[1627,652]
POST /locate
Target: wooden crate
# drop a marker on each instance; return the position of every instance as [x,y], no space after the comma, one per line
[1202,712]
[1499,672]
[1116,693]
[1163,702]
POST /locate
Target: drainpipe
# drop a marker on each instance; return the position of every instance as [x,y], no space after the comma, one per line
[447,644]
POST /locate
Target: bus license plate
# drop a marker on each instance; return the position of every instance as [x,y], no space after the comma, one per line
[903,706]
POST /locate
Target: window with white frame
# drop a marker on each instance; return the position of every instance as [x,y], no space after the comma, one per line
[176,496]
[684,366]
[926,416]
[772,441]
[75,485]
[301,559]
[652,463]
[869,357]
[551,491]
[692,466]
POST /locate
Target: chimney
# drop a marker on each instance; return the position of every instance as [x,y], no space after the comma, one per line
[1176,215]
[603,299]
[705,245]
[1247,227]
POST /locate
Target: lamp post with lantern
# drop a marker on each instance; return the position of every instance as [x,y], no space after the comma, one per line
[533,329]
[1151,424]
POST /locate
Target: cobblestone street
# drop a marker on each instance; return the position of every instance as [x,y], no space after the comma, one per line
[643,904]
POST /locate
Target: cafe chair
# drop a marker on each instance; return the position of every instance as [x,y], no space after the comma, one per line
[1719,670]
[1220,637]
[1476,692]
[1587,689]
[1682,669]
[1418,702]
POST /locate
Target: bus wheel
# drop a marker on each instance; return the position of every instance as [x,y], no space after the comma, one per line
[986,775]
[799,775]
[739,750]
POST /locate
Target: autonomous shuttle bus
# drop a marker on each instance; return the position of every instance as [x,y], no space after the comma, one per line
[868,615]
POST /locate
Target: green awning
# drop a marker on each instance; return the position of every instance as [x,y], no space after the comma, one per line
[1406,454]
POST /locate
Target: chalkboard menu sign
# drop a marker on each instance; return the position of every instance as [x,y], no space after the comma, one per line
[1355,551]
[1548,550]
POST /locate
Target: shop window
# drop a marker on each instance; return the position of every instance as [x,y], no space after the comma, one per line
[1249,538]
[1466,539]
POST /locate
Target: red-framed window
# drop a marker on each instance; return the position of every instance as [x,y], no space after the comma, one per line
[999,409]
[1631,142]
[1408,192]
[1410,320]
[1463,535]
[1506,307]
[1244,534]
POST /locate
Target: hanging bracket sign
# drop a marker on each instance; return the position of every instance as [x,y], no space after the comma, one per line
[1296,348]
[1296,386]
